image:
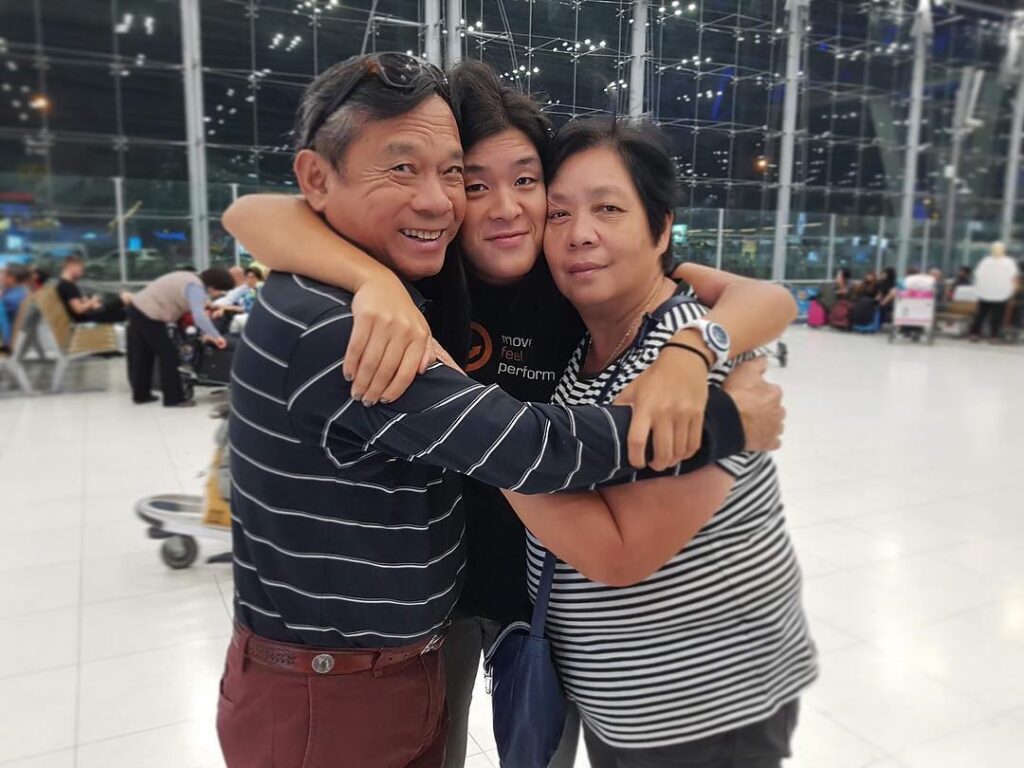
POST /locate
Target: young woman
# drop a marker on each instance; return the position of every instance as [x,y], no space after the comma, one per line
[675,614]
[523,334]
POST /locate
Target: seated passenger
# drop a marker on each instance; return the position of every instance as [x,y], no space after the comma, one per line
[94,309]
[13,290]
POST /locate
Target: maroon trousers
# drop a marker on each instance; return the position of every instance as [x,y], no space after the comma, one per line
[284,706]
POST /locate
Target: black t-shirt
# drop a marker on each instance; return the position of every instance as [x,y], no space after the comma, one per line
[522,338]
[67,291]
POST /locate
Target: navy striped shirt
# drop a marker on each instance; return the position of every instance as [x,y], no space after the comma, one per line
[347,524]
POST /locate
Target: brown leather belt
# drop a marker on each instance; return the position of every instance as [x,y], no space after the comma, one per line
[328,661]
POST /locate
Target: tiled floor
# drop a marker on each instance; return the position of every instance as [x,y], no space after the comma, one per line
[905,493]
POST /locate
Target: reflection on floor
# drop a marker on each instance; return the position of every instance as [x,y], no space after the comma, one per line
[905,496]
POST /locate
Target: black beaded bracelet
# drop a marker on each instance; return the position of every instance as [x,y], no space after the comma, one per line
[688,348]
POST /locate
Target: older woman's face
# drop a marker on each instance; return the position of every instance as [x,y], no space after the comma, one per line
[598,243]
[506,207]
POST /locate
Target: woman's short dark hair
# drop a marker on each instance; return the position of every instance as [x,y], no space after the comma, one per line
[645,151]
[485,106]
[217,278]
[255,272]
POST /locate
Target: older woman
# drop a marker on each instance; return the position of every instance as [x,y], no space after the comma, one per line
[675,613]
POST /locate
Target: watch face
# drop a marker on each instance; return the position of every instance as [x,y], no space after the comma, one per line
[718,336]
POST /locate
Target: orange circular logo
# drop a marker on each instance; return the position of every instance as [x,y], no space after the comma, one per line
[480,348]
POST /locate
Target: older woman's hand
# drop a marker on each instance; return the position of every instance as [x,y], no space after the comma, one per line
[668,401]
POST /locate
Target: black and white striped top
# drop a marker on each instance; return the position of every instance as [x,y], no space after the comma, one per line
[716,639]
[347,523]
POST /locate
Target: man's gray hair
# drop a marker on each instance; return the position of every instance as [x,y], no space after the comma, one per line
[372,99]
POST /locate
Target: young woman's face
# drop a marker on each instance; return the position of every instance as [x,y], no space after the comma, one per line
[598,243]
[506,207]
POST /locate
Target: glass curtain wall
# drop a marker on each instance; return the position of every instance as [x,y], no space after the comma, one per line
[92,90]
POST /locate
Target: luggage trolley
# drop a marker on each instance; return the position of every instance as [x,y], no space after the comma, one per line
[914,311]
[179,519]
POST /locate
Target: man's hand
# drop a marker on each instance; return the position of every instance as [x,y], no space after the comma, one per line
[668,400]
[218,341]
[390,342]
[759,404]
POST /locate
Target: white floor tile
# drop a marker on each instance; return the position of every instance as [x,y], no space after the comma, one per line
[141,573]
[192,744]
[130,694]
[996,743]
[37,713]
[39,516]
[140,624]
[23,550]
[39,588]
[34,642]
[910,541]
[820,741]
[64,758]
[886,702]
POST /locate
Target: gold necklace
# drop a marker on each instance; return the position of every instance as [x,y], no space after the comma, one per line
[629,328]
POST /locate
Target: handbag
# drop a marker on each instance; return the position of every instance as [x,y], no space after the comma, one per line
[527,701]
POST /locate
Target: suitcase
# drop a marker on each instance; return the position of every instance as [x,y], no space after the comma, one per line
[839,317]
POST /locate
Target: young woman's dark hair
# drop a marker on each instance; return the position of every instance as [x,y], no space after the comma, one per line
[485,106]
[645,151]
[844,273]
[889,276]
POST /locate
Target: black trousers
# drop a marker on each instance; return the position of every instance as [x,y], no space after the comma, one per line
[993,311]
[761,745]
[148,341]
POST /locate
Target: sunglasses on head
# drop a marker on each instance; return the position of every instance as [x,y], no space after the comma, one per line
[396,70]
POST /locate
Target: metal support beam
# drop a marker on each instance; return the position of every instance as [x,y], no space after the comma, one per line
[1014,69]
[830,264]
[638,58]
[787,156]
[963,124]
[926,246]
[454,24]
[238,245]
[880,245]
[195,132]
[432,34]
[922,31]
[721,238]
[122,248]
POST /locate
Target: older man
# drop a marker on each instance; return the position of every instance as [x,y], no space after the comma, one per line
[348,528]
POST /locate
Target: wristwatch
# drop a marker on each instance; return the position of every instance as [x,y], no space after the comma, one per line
[715,337]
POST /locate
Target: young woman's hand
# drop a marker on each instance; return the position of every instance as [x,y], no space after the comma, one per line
[668,400]
[390,342]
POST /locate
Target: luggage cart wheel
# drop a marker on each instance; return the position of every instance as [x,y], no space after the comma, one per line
[188,389]
[179,552]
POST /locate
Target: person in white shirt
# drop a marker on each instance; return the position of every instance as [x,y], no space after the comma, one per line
[995,280]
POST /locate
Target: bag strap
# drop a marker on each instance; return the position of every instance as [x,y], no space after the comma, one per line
[547,574]
[540,606]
